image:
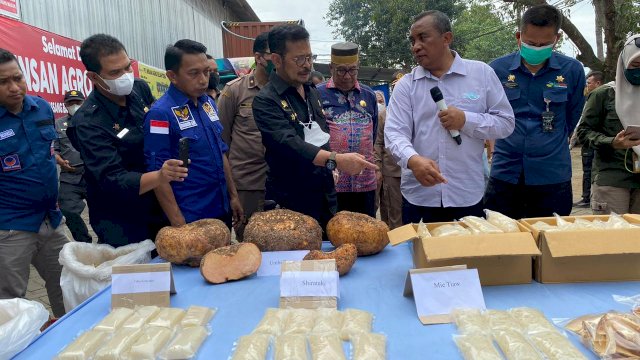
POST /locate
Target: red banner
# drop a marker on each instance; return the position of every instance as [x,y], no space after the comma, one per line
[50,63]
[10,8]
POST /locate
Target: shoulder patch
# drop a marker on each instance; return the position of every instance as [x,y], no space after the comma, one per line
[184,117]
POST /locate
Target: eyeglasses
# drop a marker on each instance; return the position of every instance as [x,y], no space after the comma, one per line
[302,59]
[343,72]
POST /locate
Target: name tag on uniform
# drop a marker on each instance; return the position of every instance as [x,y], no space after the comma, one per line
[11,163]
[211,112]
[184,117]
[122,133]
[7,134]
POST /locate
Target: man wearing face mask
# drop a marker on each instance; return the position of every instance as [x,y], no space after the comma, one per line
[352,117]
[531,169]
[214,78]
[294,131]
[609,109]
[240,133]
[73,187]
[107,131]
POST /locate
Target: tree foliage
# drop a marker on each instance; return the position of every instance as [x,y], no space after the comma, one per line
[381,27]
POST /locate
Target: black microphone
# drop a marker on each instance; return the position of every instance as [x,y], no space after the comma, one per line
[437,97]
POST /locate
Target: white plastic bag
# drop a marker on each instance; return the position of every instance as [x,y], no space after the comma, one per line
[20,323]
[86,268]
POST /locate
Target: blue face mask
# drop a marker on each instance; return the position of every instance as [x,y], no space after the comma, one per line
[534,55]
[633,76]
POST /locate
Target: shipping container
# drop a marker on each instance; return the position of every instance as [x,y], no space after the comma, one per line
[237,37]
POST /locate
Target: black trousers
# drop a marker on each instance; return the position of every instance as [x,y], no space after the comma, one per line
[587,162]
[414,213]
[526,201]
[361,202]
[71,199]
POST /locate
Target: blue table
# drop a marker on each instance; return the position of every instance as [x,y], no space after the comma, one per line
[375,284]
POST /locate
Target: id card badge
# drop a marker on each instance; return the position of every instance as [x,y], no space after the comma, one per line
[547,118]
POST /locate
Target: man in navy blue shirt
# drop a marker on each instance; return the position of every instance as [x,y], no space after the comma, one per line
[30,219]
[531,169]
[185,111]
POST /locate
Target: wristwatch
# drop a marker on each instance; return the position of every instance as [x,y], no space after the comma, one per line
[331,162]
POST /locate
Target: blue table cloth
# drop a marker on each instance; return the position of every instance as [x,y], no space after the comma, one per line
[375,284]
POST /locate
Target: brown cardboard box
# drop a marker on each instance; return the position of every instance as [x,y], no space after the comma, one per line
[586,255]
[501,259]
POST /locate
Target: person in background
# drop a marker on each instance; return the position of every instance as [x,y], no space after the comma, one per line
[442,178]
[107,131]
[294,131]
[531,169]
[186,112]
[30,220]
[214,78]
[594,80]
[616,180]
[352,116]
[241,134]
[73,187]
[317,77]
[388,175]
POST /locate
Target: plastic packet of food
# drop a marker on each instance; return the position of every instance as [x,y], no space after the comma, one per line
[251,347]
[470,321]
[476,347]
[290,346]
[114,320]
[198,316]
[272,323]
[185,344]
[478,225]
[369,346]
[543,226]
[167,317]
[118,345]
[326,346]
[450,230]
[632,301]
[515,346]
[531,319]
[354,322]
[561,223]
[150,343]
[327,321]
[577,325]
[423,231]
[617,335]
[141,316]
[555,346]
[618,222]
[84,346]
[505,223]
[502,320]
[582,224]
[299,321]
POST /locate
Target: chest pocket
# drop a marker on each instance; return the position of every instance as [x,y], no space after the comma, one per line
[512,93]
[10,145]
[556,95]
[246,117]
[48,133]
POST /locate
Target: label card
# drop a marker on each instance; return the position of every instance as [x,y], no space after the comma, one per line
[437,291]
[141,284]
[309,283]
[272,261]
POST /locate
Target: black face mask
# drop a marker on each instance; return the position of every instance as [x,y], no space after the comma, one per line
[214,80]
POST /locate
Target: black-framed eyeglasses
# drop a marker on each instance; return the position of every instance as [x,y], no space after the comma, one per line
[343,72]
[302,59]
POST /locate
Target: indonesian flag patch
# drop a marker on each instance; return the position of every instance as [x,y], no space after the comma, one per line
[159,127]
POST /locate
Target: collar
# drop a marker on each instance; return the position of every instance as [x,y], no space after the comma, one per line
[27,104]
[279,84]
[332,85]
[457,67]
[553,62]
[180,98]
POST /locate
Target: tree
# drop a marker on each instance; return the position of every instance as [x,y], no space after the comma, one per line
[381,27]
[481,34]
[620,21]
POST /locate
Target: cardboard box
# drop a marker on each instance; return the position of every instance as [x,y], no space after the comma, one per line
[501,259]
[586,255]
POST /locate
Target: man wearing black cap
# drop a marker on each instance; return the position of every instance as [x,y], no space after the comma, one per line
[73,188]
[352,116]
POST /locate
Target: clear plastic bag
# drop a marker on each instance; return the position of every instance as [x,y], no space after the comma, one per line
[470,321]
[252,347]
[618,222]
[423,231]
[272,322]
[476,347]
[292,346]
[84,346]
[478,225]
[543,226]
[450,230]
[326,346]
[327,321]
[299,321]
[355,322]
[20,322]
[114,320]
[197,316]
[502,221]
[531,319]
[515,346]
[186,344]
[86,268]
[500,320]
[369,346]
[148,346]
[555,346]
[632,301]
[612,335]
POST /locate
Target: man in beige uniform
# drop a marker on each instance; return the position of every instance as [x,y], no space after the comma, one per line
[240,133]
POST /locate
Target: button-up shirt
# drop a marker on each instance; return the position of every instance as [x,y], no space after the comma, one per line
[114,164]
[352,118]
[241,134]
[203,194]
[29,179]
[293,180]
[543,158]
[413,128]
[64,148]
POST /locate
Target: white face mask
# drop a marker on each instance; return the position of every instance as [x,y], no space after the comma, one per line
[72,109]
[121,86]
[315,136]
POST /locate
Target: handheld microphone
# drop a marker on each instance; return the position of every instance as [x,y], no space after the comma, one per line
[437,97]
